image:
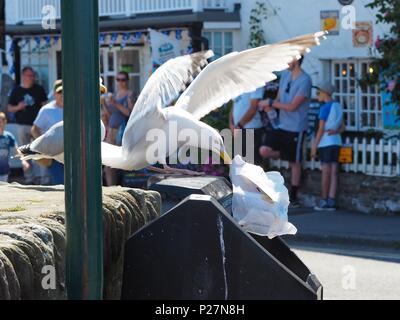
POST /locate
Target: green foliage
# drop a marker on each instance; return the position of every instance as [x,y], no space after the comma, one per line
[387,66]
[257,15]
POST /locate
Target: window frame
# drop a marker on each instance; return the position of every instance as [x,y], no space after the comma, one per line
[358,110]
[211,41]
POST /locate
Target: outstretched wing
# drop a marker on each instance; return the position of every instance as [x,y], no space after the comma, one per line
[237,73]
[163,87]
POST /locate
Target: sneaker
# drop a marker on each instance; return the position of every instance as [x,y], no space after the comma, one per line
[322,205]
[332,205]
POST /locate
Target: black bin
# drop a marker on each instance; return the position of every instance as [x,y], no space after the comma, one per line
[196,251]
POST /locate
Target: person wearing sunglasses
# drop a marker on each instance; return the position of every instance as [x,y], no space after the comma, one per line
[328,142]
[286,142]
[118,108]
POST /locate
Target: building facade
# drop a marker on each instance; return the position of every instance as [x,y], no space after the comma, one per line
[124,42]
[226,25]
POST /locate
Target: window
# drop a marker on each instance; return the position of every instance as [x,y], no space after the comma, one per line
[221,42]
[362,106]
[38,59]
[114,60]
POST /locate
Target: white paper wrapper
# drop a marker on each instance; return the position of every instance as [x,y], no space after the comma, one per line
[260,200]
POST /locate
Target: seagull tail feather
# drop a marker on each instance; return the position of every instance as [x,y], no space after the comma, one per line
[111,156]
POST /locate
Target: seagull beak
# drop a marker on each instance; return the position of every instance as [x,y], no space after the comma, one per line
[225,157]
[267,198]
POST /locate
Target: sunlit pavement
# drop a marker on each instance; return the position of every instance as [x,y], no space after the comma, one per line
[353,273]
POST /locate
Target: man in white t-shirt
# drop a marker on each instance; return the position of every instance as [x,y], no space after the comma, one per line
[245,116]
[48,116]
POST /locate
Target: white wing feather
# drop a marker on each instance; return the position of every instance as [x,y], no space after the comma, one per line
[162,88]
[237,73]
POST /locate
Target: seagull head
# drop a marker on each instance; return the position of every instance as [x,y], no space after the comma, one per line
[216,145]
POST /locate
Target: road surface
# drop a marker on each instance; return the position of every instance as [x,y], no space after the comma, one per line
[353,273]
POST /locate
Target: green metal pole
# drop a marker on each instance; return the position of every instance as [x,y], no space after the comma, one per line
[83,193]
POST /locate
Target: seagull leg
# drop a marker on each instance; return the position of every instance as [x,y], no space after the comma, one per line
[174,171]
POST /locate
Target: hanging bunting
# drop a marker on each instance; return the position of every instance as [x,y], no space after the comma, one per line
[178,34]
[136,37]
[102,39]
[47,40]
[125,38]
[37,46]
[55,40]
[113,40]
[22,44]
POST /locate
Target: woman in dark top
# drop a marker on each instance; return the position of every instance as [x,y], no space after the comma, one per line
[118,108]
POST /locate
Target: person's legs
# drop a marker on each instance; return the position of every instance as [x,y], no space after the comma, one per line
[329,170]
[23,136]
[267,152]
[326,179]
[295,180]
[111,174]
[270,145]
[258,135]
[334,181]
[292,143]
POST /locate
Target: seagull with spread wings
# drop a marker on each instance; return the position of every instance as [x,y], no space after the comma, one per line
[219,82]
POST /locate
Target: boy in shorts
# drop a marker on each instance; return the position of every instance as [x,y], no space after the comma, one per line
[328,143]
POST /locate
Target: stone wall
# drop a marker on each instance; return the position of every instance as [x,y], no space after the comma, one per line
[32,236]
[357,192]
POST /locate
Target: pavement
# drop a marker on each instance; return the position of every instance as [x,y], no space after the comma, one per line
[346,228]
[353,273]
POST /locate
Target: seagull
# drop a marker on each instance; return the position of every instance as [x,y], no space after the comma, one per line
[219,82]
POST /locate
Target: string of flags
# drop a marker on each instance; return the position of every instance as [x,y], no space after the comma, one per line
[121,39]
[110,39]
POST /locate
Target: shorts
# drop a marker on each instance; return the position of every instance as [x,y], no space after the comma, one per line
[289,144]
[329,155]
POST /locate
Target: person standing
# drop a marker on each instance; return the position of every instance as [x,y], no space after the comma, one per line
[245,116]
[48,116]
[119,106]
[328,142]
[24,103]
[293,104]
[7,145]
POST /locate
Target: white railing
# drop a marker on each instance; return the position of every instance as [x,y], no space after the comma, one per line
[31,10]
[149,6]
[378,158]
[214,4]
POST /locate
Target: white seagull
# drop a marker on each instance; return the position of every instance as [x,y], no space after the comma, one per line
[221,81]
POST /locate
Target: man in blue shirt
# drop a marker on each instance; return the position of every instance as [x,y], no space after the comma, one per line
[293,104]
[245,116]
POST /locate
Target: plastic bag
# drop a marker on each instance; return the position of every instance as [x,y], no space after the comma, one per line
[260,200]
